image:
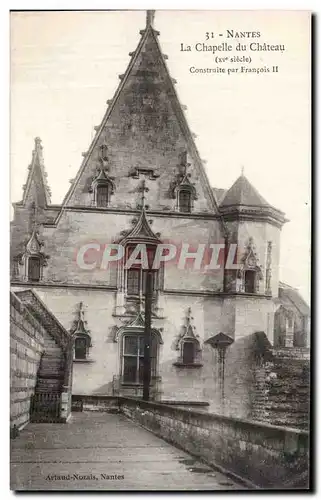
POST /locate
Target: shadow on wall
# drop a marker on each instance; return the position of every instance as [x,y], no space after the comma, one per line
[105,389]
[181,383]
[233,395]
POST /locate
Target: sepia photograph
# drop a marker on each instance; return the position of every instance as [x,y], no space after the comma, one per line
[160,240]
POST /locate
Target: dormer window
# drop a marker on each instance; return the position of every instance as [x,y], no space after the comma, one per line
[102,188]
[185,200]
[183,189]
[102,196]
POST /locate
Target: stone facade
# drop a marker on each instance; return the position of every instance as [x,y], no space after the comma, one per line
[143,158]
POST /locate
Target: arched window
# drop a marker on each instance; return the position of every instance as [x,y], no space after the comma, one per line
[30,263]
[81,334]
[250,273]
[185,200]
[250,281]
[102,188]
[34,268]
[80,348]
[102,196]
[188,352]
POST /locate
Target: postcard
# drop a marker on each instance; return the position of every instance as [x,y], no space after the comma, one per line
[160,250]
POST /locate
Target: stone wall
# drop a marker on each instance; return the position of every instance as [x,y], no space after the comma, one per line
[26,347]
[107,404]
[260,383]
[281,393]
[262,455]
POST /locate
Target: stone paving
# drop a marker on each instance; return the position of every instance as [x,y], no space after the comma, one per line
[102,451]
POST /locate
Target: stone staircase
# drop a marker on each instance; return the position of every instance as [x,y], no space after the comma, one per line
[45,405]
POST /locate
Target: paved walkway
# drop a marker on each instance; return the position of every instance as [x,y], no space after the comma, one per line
[101,451]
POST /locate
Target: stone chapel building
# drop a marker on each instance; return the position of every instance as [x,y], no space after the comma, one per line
[142,180]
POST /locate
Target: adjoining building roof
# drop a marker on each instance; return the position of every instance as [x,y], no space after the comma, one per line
[290,298]
[243,193]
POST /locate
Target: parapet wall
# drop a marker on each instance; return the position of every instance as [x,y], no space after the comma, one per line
[262,455]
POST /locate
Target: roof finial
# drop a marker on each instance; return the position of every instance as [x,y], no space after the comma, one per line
[80,310]
[144,189]
[37,142]
[38,149]
[150,14]
[242,170]
[189,316]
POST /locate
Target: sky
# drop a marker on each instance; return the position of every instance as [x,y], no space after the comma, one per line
[65,65]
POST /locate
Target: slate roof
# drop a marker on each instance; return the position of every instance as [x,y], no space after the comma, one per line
[147,67]
[243,193]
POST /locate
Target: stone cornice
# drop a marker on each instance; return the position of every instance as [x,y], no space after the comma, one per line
[45,284]
[253,213]
[112,289]
[151,213]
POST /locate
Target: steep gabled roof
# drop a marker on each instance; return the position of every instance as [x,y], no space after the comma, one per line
[36,188]
[243,193]
[143,66]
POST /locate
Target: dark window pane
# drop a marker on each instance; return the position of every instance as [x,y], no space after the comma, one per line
[249,281]
[102,196]
[133,281]
[141,346]
[80,348]
[130,369]
[141,370]
[153,351]
[184,199]
[188,352]
[131,345]
[34,269]
[153,278]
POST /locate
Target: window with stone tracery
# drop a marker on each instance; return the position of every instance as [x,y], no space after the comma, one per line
[133,358]
[136,277]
